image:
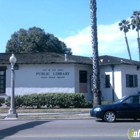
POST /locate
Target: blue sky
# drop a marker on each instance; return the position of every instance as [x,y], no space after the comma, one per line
[69,20]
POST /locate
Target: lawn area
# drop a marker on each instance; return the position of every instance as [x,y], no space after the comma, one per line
[47,110]
[67,113]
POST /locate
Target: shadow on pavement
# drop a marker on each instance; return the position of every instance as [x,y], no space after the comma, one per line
[13,130]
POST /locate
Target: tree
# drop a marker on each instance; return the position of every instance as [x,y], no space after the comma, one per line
[135,23]
[125,26]
[35,40]
[95,57]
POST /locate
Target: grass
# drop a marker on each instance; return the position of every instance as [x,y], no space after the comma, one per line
[67,113]
[38,117]
[46,110]
[2,117]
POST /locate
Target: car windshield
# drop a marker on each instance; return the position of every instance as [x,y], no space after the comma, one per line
[120,100]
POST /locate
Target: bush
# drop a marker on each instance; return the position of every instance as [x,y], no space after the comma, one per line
[88,104]
[34,100]
[18,101]
[2,101]
[51,100]
[78,100]
[7,101]
[64,100]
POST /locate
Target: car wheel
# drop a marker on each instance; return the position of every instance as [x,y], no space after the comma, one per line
[109,116]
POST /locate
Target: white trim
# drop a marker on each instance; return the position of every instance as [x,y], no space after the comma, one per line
[24,90]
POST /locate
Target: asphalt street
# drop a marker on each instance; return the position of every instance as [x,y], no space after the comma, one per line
[66,129]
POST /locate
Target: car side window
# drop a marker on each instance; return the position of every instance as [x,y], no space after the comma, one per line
[132,100]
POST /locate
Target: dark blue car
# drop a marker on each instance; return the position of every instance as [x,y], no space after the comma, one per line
[126,107]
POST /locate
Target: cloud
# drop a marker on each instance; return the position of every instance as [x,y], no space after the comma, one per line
[111,41]
[80,42]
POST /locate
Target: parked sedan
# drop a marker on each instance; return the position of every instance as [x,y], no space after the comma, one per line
[127,107]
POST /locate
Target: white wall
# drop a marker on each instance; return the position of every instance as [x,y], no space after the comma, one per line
[120,88]
[42,79]
[107,93]
[128,69]
[64,78]
[118,82]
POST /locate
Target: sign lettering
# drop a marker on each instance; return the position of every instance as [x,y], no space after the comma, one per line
[53,73]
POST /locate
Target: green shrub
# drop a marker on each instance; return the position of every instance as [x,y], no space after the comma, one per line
[78,100]
[7,101]
[63,100]
[51,100]
[18,101]
[88,104]
[2,101]
[35,100]
[26,100]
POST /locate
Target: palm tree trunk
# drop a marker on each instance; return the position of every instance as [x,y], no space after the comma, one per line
[138,39]
[128,48]
[95,57]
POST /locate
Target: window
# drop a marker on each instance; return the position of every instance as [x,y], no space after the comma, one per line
[83,81]
[107,81]
[132,100]
[2,81]
[131,80]
[82,76]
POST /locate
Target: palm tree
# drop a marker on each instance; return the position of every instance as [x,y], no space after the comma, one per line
[125,26]
[95,57]
[135,23]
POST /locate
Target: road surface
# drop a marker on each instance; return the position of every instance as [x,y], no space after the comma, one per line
[72,129]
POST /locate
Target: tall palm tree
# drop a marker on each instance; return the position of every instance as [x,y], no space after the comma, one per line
[95,57]
[125,26]
[135,23]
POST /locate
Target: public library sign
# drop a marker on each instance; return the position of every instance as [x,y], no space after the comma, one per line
[53,73]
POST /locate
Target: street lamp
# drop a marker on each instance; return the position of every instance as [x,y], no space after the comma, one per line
[12,111]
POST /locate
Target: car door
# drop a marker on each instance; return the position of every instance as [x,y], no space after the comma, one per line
[129,107]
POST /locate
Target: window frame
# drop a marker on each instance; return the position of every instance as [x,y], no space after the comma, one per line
[3,79]
[131,80]
[83,76]
[107,81]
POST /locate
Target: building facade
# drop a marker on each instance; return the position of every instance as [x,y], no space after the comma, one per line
[47,73]
[59,73]
[119,77]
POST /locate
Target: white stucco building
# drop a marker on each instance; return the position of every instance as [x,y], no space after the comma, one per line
[119,77]
[59,73]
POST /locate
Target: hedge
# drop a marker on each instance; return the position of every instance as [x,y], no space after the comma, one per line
[51,100]
[2,101]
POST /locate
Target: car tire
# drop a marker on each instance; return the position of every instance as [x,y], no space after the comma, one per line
[110,116]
